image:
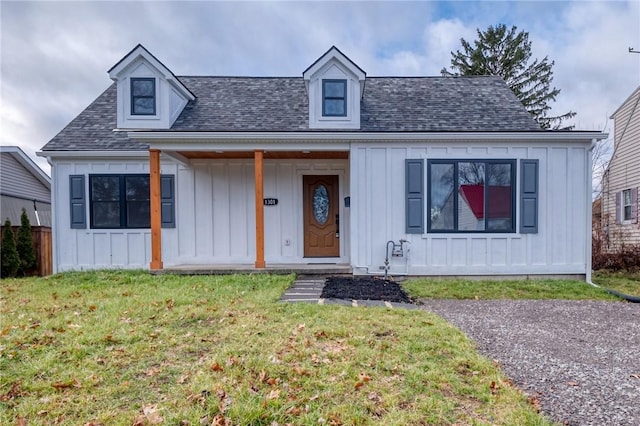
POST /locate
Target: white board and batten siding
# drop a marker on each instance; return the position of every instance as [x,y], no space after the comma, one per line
[82,249]
[623,173]
[378,212]
[216,211]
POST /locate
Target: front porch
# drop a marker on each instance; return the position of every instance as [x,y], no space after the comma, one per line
[282,269]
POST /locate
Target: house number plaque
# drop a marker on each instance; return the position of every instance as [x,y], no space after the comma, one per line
[270,201]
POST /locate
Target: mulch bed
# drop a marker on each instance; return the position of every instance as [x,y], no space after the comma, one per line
[363,288]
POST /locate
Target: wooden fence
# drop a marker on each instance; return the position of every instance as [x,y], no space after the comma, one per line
[41,236]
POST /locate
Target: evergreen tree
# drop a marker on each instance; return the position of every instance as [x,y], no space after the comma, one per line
[507,53]
[9,255]
[24,245]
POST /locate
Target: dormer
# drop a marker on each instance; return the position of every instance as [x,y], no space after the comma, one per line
[335,85]
[149,95]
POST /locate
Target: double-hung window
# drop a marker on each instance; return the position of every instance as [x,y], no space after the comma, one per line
[471,195]
[626,204]
[334,98]
[143,96]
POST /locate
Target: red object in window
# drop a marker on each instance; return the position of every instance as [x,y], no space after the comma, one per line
[499,200]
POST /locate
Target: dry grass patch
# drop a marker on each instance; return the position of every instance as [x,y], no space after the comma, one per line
[123,348]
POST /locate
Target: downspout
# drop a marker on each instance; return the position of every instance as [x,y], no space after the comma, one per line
[627,297]
[589,211]
[35,210]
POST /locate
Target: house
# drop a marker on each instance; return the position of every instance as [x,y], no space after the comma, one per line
[23,185]
[188,173]
[621,179]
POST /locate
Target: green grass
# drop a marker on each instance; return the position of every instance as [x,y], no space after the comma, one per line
[624,282]
[123,348]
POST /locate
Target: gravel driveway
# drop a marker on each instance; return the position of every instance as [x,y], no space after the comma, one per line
[580,359]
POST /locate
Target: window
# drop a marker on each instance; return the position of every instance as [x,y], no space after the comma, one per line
[334,98]
[122,201]
[471,196]
[143,96]
[626,205]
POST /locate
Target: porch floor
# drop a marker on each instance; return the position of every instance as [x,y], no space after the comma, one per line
[276,268]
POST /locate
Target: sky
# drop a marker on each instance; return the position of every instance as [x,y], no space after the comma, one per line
[54,56]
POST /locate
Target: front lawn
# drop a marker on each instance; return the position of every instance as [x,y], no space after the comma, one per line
[123,348]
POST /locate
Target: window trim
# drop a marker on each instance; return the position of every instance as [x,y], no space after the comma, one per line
[132,97]
[325,98]
[623,206]
[455,162]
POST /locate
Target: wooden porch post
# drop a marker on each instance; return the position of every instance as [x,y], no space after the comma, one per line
[258,168]
[156,229]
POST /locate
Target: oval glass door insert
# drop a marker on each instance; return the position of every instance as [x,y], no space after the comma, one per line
[321,204]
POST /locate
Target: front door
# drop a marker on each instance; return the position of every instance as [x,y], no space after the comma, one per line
[320,212]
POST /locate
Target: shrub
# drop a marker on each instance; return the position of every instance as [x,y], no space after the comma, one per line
[10,259]
[24,245]
[624,257]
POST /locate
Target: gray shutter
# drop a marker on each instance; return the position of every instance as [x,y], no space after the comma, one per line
[414,188]
[529,196]
[634,205]
[167,201]
[619,207]
[77,202]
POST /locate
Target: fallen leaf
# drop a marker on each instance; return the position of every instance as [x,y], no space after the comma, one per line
[152,415]
[274,394]
[233,361]
[374,397]
[220,420]
[293,411]
[75,383]
[92,308]
[216,367]
[300,371]
[182,379]
[170,303]
[153,371]
[494,387]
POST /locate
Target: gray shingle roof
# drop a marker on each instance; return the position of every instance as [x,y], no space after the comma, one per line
[280,104]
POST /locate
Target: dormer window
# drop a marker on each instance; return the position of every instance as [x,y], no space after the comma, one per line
[143,96]
[334,98]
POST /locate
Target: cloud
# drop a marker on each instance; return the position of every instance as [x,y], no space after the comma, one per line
[55,55]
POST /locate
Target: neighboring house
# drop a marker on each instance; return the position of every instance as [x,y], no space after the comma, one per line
[23,185]
[621,180]
[167,172]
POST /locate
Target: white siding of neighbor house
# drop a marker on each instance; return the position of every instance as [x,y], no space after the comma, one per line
[216,211]
[16,180]
[378,212]
[80,249]
[623,172]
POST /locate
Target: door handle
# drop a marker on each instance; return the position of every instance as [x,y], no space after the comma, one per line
[337,225]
